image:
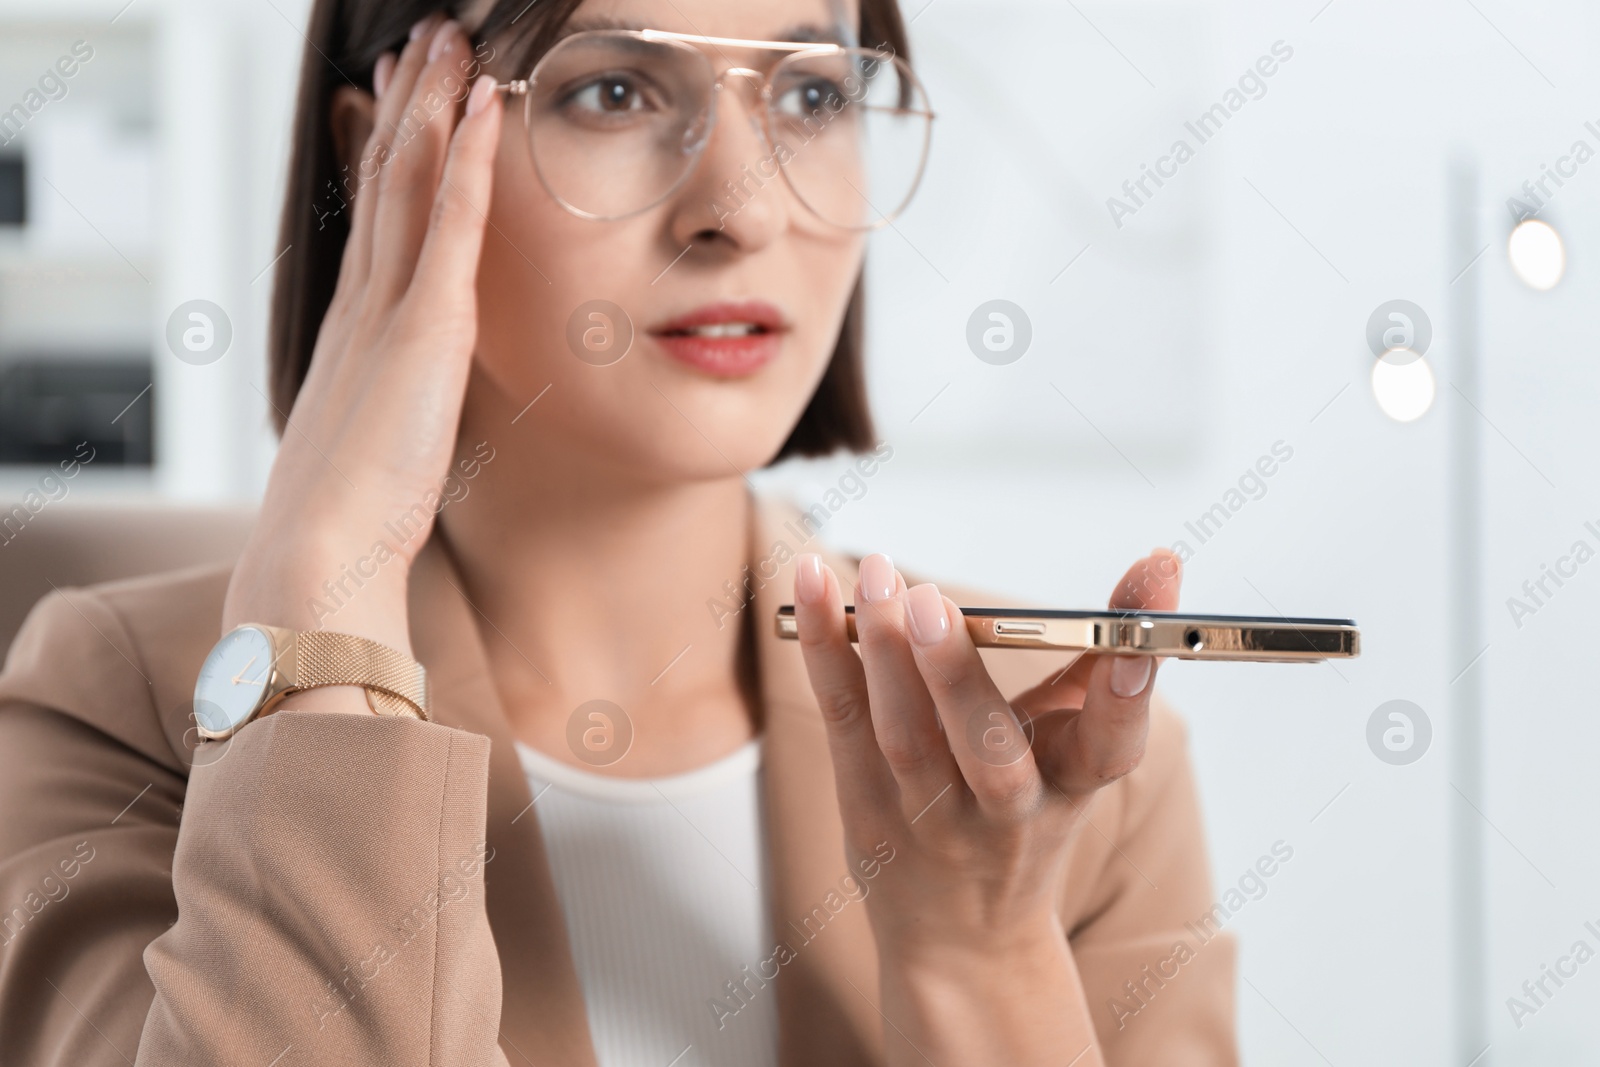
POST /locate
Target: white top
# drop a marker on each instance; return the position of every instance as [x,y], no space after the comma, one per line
[662,884]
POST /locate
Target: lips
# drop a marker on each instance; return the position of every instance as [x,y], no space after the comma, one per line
[725,340]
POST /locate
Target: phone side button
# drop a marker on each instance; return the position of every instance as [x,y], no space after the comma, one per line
[1003,628]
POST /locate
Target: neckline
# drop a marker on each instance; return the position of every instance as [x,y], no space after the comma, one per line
[742,762]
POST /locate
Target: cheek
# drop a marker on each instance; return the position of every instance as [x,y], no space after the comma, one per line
[537,267]
[826,268]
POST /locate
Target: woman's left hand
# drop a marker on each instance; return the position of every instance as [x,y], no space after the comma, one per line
[980,798]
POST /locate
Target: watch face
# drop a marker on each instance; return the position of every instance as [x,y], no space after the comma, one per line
[232,680]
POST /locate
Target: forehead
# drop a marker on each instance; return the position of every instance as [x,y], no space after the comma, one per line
[771,20]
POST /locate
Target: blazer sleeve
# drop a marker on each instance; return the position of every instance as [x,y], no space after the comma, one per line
[310,892]
[1157,970]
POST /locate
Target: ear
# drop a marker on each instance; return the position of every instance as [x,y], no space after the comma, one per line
[351,117]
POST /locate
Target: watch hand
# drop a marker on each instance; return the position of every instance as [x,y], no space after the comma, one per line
[242,670]
[265,671]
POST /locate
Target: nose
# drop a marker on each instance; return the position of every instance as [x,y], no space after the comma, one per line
[736,199]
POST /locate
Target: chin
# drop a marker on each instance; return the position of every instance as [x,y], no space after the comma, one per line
[689,431]
[680,456]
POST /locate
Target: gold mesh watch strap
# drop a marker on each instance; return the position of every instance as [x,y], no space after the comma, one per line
[395,683]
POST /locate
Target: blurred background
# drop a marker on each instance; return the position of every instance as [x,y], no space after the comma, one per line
[1073,361]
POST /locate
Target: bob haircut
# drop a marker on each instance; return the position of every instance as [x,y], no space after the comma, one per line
[343,42]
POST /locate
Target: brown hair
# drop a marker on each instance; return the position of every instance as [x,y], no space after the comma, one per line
[343,43]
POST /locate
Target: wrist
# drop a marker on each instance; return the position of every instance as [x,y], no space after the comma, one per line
[322,590]
[1017,1002]
[331,699]
[1033,948]
[1032,930]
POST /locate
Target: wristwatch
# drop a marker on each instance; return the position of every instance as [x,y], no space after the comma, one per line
[254,667]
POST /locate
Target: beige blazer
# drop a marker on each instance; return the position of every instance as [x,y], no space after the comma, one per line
[331,889]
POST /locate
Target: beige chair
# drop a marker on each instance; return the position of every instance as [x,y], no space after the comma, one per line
[66,545]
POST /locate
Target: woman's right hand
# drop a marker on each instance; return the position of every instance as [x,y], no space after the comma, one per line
[373,433]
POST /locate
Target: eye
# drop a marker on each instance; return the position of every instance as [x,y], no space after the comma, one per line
[609,94]
[810,96]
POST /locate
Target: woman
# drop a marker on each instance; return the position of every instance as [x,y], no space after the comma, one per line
[522,361]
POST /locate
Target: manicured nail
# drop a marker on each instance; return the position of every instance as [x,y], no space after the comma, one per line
[482,92]
[809,584]
[1129,675]
[1170,568]
[421,27]
[930,622]
[443,37]
[382,72]
[877,578]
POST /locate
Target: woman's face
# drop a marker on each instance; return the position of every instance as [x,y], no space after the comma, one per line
[692,398]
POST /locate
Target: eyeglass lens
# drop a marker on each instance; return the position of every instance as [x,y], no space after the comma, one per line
[617,122]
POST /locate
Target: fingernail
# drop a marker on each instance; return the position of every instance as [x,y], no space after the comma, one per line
[809,585]
[930,622]
[382,72]
[877,577]
[1129,675]
[1173,563]
[482,92]
[443,37]
[421,27]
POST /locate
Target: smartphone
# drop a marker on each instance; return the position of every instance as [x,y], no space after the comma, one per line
[1259,639]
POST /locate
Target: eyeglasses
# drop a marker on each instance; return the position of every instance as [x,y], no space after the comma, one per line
[619,119]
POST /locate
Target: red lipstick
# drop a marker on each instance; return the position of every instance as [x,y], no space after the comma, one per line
[729,339]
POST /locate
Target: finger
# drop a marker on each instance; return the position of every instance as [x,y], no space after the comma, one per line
[1152,584]
[1064,688]
[400,79]
[863,778]
[989,741]
[1083,752]
[346,188]
[904,719]
[418,148]
[448,262]
[361,181]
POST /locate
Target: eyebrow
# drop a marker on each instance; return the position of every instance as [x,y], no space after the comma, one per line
[812,34]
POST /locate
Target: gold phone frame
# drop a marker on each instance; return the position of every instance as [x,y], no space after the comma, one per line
[1242,638]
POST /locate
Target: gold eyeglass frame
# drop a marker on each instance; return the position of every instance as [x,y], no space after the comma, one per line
[523,87]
